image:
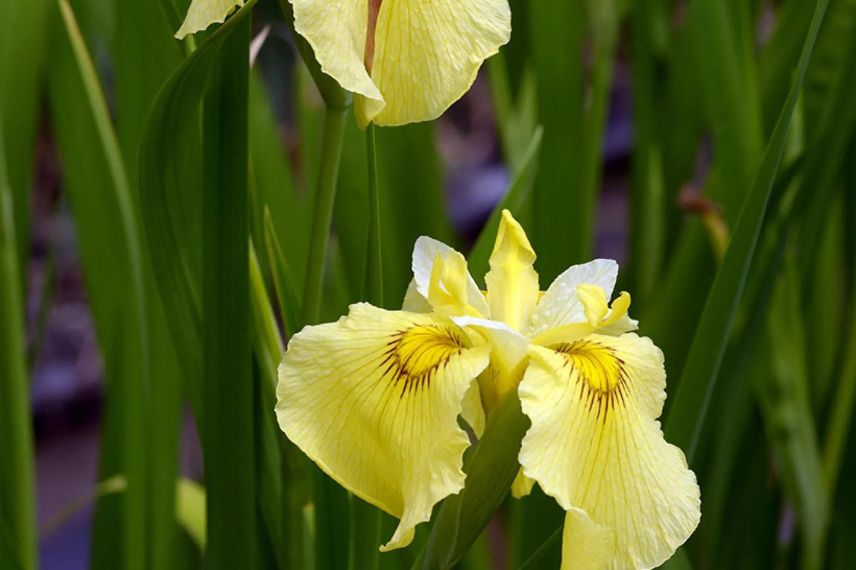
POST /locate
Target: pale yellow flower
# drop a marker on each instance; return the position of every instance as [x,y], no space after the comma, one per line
[406,60]
[203,13]
[374,398]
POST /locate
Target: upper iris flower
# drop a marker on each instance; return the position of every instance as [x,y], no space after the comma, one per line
[406,60]
[374,398]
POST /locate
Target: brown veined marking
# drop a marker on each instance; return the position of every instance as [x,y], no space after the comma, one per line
[600,374]
[415,354]
[371,28]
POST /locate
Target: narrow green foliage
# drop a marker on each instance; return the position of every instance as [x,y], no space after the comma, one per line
[17,473]
[563,212]
[228,394]
[102,205]
[784,398]
[491,466]
[286,291]
[691,401]
[23,30]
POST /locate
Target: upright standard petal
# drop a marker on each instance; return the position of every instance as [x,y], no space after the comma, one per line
[426,253]
[374,400]
[512,283]
[427,55]
[203,13]
[560,304]
[595,444]
[336,30]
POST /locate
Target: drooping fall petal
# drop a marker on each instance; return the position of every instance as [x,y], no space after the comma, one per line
[427,55]
[374,399]
[203,13]
[595,444]
[336,30]
[585,544]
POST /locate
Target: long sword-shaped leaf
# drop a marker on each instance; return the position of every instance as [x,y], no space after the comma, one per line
[23,28]
[17,485]
[688,410]
[110,245]
[228,393]
[170,201]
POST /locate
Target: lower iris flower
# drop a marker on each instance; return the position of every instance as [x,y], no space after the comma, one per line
[374,400]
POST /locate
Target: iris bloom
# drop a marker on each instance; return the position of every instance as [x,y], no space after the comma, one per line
[374,400]
[406,60]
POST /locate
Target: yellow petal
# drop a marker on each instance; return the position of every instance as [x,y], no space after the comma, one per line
[507,360]
[472,410]
[595,444]
[512,283]
[374,400]
[414,302]
[595,303]
[585,544]
[336,30]
[522,485]
[427,55]
[454,286]
[560,305]
[203,13]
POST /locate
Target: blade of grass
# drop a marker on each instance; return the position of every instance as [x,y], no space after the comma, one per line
[563,214]
[412,200]
[278,509]
[686,416]
[17,473]
[102,205]
[23,30]
[783,394]
[145,54]
[228,443]
[286,291]
[170,201]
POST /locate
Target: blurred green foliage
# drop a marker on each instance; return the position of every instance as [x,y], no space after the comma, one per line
[182,166]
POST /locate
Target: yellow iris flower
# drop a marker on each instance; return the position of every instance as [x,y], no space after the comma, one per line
[405,60]
[374,400]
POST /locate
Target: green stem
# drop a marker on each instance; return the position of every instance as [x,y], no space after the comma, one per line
[374,265]
[17,505]
[325,194]
[366,519]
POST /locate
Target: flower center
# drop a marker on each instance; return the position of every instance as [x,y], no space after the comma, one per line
[595,364]
[414,355]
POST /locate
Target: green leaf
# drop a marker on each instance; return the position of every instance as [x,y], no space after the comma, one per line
[17,473]
[171,201]
[563,207]
[228,392]
[691,401]
[145,54]
[491,466]
[102,204]
[286,291]
[23,30]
